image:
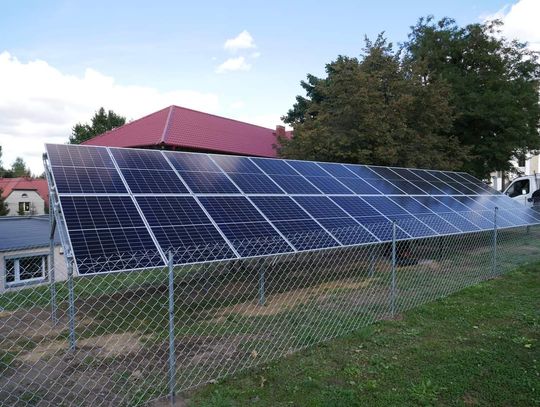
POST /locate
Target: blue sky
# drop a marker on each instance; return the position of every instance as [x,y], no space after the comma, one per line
[172,50]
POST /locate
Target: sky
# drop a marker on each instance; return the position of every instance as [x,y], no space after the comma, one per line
[62,60]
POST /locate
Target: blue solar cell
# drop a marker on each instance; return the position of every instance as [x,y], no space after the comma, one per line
[355,206]
[172,210]
[478,219]
[407,174]
[295,184]
[461,188]
[458,221]
[385,173]
[358,186]
[78,156]
[307,168]
[336,170]
[90,180]
[385,205]
[386,187]
[433,204]
[193,243]
[445,188]
[271,166]
[208,183]
[474,204]
[140,159]
[100,212]
[320,207]
[255,183]
[412,225]
[277,208]
[453,203]
[107,250]
[362,171]
[329,185]
[233,164]
[438,224]
[382,228]
[231,209]
[347,231]
[305,234]
[153,182]
[191,162]
[411,205]
[255,239]
[408,187]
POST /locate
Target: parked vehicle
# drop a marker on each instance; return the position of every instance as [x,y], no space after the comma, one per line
[525,189]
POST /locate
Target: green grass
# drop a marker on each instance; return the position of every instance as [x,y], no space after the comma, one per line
[477,347]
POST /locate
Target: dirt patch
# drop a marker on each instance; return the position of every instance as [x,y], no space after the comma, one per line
[104,346]
[280,302]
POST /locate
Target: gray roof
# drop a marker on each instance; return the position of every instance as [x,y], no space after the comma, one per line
[21,232]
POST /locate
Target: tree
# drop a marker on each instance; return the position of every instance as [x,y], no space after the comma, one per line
[373,110]
[493,84]
[19,169]
[4,210]
[101,122]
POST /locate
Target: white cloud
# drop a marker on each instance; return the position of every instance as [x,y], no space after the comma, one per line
[244,40]
[520,22]
[40,104]
[255,55]
[234,64]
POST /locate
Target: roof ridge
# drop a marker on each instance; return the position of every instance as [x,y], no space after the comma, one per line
[167,122]
[125,125]
[223,117]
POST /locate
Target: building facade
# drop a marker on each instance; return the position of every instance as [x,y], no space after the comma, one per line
[25,197]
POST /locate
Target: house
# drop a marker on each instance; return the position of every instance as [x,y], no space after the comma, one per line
[179,128]
[25,253]
[25,196]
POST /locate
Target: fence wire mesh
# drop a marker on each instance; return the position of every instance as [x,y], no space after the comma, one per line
[129,338]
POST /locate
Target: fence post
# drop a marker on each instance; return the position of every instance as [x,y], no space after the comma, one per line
[393,283]
[262,282]
[172,356]
[71,305]
[494,248]
[52,271]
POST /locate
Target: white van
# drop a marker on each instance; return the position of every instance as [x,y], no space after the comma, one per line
[522,189]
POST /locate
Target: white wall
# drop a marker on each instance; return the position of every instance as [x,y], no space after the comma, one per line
[37,204]
[60,269]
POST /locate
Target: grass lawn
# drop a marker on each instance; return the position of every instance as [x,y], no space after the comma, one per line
[478,347]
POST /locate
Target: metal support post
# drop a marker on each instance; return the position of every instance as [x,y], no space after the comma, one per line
[262,282]
[71,305]
[494,248]
[172,356]
[51,269]
[372,262]
[393,283]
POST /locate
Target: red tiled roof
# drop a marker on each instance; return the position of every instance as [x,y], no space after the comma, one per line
[185,128]
[7,185]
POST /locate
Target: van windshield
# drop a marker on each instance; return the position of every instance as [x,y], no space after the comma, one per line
[517,188]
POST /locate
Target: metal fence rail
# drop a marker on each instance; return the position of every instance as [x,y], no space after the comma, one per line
[129,338]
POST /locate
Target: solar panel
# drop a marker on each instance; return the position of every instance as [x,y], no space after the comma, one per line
[127,208]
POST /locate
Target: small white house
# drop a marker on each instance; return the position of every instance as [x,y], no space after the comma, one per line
[25,196]
[25,254]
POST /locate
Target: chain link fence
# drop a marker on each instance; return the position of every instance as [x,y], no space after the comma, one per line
[130,338]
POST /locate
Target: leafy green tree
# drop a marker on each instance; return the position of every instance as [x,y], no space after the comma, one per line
[101,122]
[494,88]
[374,110]
[19,168]
[4,210]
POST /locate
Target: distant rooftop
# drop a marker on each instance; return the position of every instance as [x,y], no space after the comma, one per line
[177,127]
[22,232]
[7,185]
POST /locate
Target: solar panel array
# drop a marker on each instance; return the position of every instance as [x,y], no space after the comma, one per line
[205,207]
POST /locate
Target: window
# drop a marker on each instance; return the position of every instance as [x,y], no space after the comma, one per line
[25,270]
[518,188]
[24,195]
[24,207]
